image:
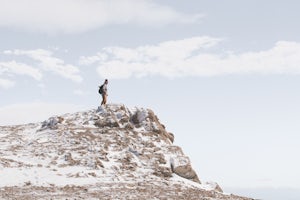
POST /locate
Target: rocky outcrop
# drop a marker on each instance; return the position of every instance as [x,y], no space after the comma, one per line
[108,153]
[181,166]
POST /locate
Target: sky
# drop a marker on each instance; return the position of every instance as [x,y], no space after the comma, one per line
[223,76]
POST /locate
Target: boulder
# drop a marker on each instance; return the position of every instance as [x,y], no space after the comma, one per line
[213,186]
[182,167]
[52,122]
[139,116]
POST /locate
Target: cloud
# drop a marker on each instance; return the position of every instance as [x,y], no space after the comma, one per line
[6,84]
[194,57]
[73,16]
[8,69]
[47,62]
[88,60]
[34,112]
[12,67]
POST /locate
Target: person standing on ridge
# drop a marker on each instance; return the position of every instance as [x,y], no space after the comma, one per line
[103,92]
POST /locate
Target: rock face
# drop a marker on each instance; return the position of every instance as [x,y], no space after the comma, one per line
[108,153]
[182,167]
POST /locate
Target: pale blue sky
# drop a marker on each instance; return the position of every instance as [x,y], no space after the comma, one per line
[223,76]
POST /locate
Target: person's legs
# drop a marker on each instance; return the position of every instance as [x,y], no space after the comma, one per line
[104,97]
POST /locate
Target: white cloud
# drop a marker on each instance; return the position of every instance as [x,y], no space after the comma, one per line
[5,84]
[48,62]
[193,57]
[88,60]
[34,112]
[12,67]
[71,16]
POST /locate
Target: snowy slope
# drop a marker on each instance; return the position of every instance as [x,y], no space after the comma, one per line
[108,153]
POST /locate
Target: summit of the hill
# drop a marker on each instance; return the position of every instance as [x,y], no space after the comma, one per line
[106,153]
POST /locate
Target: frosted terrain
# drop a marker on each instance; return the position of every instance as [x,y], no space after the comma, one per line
[108,153]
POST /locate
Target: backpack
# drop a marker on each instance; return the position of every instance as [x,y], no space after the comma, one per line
[100,89]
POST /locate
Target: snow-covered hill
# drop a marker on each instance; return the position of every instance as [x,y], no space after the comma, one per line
[108,153]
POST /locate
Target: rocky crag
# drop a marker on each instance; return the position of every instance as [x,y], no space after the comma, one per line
[108,153]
